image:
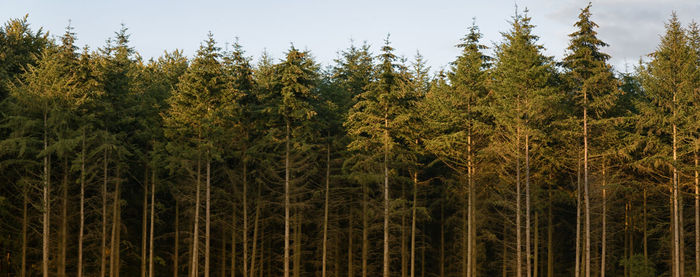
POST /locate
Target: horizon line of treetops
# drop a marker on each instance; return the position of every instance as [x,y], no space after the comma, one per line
[514,164]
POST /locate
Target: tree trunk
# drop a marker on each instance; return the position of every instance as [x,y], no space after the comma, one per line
[46,206]
[550,229]
[144,226]
[82,209]
[403,236]
[153,223]
[117,244]
[297,244]
[644,211]
[115,222]
[676,228]
[245,216]
[103,246]
[442,240]
[504,264]
[528,247]
[536,245]
[223,253]
[577,269]
[697,214]
[413,224]
[195,230]
[351,267]
[604,225]
[386,196]
[626,246]
[255,232]
[25,202]
[325,210]
[64,222]
[207,220]
[518,243]
[586,197]
[176,254]
[286,203]
[233,240]
[365,230]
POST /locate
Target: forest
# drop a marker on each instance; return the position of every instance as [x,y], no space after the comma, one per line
[507,162]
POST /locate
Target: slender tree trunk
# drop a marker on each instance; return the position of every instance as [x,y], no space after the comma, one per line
[325,209]
[586,197]
[255,232]
[465,238]
[413,224]
[644,211]
[351,272]
[144,227]
[262,248]
[46,206]
[676,213]
[25,200]
[64,222]
[550,229]
[195,231]
[577,270]
[286,203]
[442,240]
[697,214]
[207,222]
[528,224]
[504,263]
[245,217]
[386,196]
[223,253]
[518,208]
[365,230]
[403,236]
[117,244]
[297,243]
[82,208]
[536,245]
[233,239]
[115,222]
[103,245]
[153,223]
[604,225]
[176,254]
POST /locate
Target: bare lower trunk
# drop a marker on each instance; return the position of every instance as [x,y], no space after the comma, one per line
[442,240]
[64,222]
[413,224]
[82,209]
[25,200]
[46,208]
[207,220]
[535,248]
[365,230]
[697,215]
[118,216]
[351,267]
[103,245]
[604,225]
[386,198]
[676,213]
[195,229]
[245,219]
[233,241]
[550,229]
[255,233]
[286,203]
[115,226]
[586,199]
[528,246]
[518,208]
[176,251]
[153,223]
[577,269]
[144,227]
[325,211]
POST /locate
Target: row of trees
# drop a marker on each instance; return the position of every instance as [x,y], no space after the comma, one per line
[502,164]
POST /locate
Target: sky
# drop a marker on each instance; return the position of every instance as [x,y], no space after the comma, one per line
[433,28]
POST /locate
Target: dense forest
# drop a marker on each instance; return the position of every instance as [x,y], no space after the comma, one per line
[508,162]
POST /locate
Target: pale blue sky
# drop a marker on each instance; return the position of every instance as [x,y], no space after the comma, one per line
[631,27]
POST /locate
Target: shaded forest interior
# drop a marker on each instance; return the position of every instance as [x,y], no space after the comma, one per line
[506,163]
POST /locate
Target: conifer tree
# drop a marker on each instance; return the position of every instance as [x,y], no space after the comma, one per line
[595,89]
[666,83]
